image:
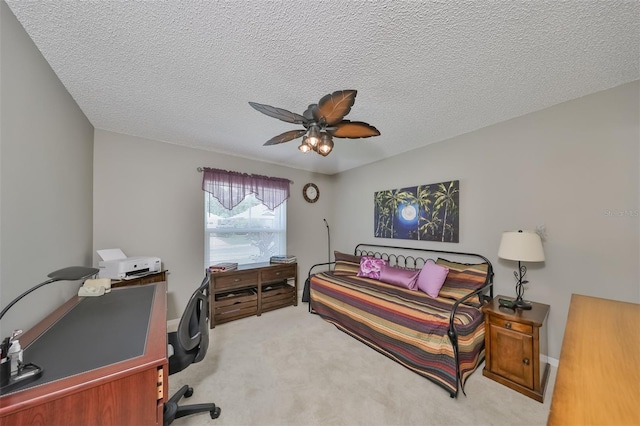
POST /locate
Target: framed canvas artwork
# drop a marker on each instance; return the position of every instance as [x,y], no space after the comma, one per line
[424,212]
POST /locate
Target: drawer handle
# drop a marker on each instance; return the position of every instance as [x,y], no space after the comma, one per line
[236,280]
[508,326]
[526,361]
[277,273]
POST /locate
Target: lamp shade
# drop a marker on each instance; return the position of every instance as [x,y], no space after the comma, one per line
[523,246]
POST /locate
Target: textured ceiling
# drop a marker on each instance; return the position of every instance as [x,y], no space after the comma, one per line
[183,72]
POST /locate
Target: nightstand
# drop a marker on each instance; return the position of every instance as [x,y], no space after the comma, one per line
[516,347]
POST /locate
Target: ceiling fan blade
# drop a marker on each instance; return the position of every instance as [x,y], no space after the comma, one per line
[353,130]
[332,108]
[286,137]
[279,113]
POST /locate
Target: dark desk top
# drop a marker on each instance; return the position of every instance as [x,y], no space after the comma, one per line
[96,332]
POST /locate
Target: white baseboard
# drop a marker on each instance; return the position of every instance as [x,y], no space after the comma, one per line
[172,325]
[552,361]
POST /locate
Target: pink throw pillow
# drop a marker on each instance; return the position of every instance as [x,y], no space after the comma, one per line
[370,267]
[400,277]
[431,278]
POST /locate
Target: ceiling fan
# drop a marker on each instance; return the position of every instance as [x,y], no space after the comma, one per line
[322,122]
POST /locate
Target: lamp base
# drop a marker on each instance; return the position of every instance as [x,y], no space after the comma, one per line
[28,373]
[521,304]
[514,304]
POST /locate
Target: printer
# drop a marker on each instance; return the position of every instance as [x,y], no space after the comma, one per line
[117,266]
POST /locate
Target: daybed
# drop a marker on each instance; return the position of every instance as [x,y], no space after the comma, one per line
[440,338]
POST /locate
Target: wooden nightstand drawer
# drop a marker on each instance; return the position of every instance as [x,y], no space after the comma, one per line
[235,280]
[277,273]
[511,325]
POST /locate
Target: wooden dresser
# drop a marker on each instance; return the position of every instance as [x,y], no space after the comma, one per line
[598,380]
[251,290]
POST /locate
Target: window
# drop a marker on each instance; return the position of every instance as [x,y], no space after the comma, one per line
[248,233]
[245,217]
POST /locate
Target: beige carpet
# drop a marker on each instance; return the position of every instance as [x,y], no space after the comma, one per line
[289,367]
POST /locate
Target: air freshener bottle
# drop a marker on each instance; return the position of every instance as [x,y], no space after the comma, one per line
[15,354]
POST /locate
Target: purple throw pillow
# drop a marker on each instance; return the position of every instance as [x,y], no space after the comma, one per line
[400,277]
[370,267]
[431,278]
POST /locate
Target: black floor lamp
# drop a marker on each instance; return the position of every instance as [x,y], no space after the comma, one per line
[328,241]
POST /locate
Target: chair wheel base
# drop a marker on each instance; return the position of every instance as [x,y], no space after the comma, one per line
[215,413]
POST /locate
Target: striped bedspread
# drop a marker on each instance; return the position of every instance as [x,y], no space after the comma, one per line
[408,326]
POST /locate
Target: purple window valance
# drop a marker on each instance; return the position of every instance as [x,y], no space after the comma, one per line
[230,188]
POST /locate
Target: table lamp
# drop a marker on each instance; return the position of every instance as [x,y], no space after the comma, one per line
[523,246]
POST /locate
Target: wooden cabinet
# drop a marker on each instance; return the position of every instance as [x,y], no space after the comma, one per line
[251,290]
[516,347]
[146,279]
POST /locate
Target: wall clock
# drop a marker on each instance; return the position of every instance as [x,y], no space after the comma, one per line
[311,193]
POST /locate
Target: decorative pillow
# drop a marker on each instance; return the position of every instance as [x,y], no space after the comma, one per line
[399,276]
[370,267]
[346,264]
[463,279]
[432,278]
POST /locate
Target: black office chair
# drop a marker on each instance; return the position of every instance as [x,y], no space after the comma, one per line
[188,345]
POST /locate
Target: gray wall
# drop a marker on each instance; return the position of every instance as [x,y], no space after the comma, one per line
[148,201]
[46,155]
[572,167]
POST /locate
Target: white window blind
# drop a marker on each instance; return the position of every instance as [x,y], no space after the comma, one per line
[248,233]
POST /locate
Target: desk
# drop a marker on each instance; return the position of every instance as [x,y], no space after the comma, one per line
[598,379]
[130,391]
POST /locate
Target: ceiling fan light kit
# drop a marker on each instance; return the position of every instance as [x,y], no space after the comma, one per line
[326,146]
[304,146]
[322,122]
[313,136]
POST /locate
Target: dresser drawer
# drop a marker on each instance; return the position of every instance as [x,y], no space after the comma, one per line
[235,305]
[234,280]
[277,296]
[511,325]
[278,273]
[240,298]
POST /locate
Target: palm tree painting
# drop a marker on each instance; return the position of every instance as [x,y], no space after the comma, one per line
[424,212]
